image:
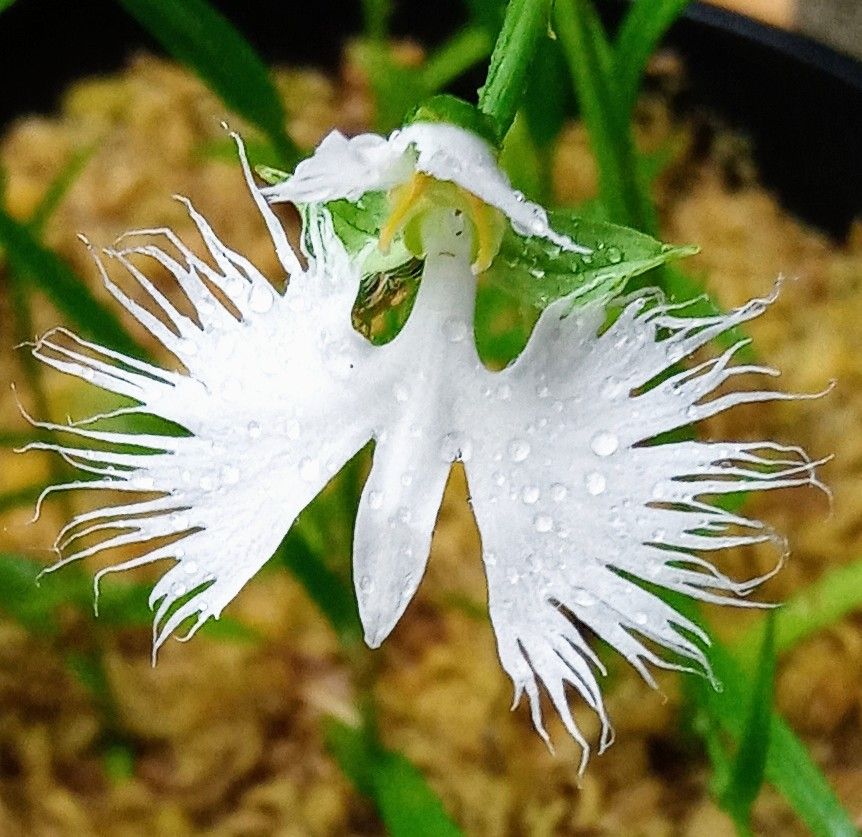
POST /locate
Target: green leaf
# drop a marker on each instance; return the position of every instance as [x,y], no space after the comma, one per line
[536,271]
[592,67]
[47,272]
[789,766]
[639,34]
[820,605]
[202,38]
[5,4]
[407,806]
[747,772]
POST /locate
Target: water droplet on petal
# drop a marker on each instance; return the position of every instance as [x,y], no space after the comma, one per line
[519,450]
[559,492]
[504,392]
[253,430]
[530,494]
[595,483]
[407,479]
[375,499]
[178,589]
[615,255]
[543,523]
[640,618]
[584,599]
[365,584]
[190,567]
[260,299]
[491,559]
[401,393]
[604,443]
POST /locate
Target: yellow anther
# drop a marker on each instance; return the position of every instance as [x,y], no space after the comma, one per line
[406,204]
[487,237]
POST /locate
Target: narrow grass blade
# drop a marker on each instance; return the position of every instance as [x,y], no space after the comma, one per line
[198,35]
[47,272]
[58,188]
[747,772]
[326,589]
[592,67]
[639,34]
[828,600]
[407,806]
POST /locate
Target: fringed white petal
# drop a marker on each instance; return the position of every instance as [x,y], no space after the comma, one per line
[348,168]
[577,508]
[278,394]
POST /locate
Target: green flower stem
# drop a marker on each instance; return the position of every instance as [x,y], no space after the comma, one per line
[501,94]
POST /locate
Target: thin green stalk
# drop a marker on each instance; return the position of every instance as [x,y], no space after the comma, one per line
[500,96]
[639,34]
[592,66]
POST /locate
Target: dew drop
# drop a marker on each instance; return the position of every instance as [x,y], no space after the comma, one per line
[190,567]
[519,450]
[604,443]
[504,392]
[400,392]
[178,589]
[542,391]
[407,479]
[253,430]
[543,523]
[499,478]
[615,255]
[375,499]
[491,559]
[404,514]
[596,483]
[530,494]
[559,492]
[260,299]
[365,584]
[584,599]
[640,618]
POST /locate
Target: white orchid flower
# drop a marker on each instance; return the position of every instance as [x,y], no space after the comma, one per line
[575,503]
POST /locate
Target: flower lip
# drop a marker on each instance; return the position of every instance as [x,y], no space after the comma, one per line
[343,168]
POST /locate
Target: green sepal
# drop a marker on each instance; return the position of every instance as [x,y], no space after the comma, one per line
[455,111]
[537,271]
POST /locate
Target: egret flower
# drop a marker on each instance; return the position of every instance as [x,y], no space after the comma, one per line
[583,511]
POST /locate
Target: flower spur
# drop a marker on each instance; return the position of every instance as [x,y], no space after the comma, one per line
[579,508]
